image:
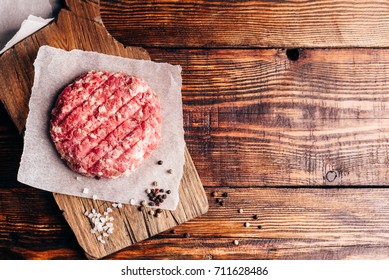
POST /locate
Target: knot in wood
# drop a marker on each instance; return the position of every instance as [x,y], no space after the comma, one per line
[293,54]
[331,176]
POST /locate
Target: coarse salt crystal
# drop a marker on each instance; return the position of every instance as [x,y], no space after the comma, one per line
[132,201]
[85,191]
[102,224]
[94,197]
[120,205]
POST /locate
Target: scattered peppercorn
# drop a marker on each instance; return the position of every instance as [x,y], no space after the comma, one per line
[187,235]
[173,231]
[240,210]
[157,214]
[225,194]
[156,197]
[155,183]
[218,200]
[160,162]
[222,203]
[247,224]
[151,212]
[140,208]
[260,227]
[236,242]
[255,217]
[159,210]
[170,171]
[214,194]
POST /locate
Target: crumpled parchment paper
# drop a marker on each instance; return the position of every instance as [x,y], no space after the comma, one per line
[21,18]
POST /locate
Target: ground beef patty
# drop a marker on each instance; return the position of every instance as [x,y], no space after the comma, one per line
[105,124]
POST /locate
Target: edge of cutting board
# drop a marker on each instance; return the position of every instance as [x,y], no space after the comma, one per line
[79,27]
[132,225]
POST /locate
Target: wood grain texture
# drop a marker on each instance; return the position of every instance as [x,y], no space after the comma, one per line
[131,225]
[76,31]
[230,98]
[11,147]
[253,23]
[256,118]
[300,223]
[87,9]
[69,31]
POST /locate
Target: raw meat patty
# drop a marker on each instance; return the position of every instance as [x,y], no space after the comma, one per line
[105,124]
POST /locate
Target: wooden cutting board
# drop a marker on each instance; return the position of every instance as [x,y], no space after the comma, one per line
[80,27]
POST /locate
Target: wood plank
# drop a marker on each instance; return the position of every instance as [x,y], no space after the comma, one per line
[11,147]
[254,23]
[32,227]
[79,31]
[130,224]
[300,223]
[257,118]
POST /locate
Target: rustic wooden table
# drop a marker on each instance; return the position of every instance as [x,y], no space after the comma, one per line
[283,111]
